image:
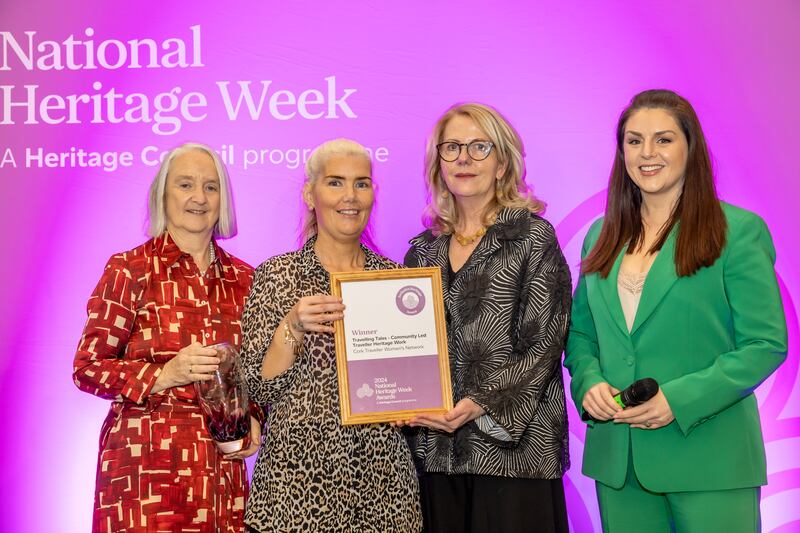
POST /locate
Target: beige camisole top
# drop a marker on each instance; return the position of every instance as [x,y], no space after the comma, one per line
[629,288]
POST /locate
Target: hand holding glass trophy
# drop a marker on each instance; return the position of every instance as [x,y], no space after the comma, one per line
[224,402]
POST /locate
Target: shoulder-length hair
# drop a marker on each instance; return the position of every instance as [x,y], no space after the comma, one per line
[701,222]
[511,190]
[226,224]
[315,166]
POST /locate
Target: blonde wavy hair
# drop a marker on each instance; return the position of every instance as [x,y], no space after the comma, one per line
[511,191]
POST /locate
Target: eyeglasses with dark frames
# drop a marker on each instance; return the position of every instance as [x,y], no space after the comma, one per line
[477,150]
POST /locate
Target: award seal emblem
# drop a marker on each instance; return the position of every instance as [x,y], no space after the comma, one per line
[410,300]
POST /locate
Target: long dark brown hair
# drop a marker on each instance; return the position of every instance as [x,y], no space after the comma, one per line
[701,223]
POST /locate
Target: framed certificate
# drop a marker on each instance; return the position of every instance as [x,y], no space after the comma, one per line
[391,346]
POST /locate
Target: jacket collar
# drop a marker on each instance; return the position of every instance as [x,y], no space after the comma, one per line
[608,288]
[434,250]
[511,224]
[660,279]
[167,249]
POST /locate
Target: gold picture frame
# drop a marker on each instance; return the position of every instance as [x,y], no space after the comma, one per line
[389,359]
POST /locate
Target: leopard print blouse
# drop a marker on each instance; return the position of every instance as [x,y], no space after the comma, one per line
[312,473]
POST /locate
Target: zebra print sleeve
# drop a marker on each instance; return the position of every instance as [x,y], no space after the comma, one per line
[512,392]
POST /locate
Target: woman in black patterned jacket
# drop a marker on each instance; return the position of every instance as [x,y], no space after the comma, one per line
[495,462]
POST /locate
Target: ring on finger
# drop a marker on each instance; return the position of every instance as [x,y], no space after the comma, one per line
[648,424]
[298,326]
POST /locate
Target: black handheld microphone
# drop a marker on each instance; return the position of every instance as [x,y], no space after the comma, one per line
[639,392]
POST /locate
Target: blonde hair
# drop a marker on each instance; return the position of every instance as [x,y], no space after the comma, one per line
[511,190]
[226,223]
[315,166]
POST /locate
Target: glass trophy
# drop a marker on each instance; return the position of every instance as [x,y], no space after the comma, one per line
[224,402]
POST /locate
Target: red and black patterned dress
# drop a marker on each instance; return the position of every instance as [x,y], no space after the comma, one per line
[158,469]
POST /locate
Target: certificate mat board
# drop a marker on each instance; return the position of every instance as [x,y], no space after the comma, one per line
[391,346]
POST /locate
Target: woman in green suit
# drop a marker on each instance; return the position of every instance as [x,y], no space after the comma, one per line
[679,287]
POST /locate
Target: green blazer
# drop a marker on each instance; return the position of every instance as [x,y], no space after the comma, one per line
[708,340]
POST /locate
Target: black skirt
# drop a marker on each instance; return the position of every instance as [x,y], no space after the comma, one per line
[492,504]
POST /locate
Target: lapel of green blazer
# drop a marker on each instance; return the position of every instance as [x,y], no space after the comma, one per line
[660,279]
[608,288]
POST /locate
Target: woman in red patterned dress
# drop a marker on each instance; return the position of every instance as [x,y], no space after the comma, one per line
[153,315]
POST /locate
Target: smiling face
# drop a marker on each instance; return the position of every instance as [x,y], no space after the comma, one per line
[342,197]
[191,195]
[469,181]
[655,151]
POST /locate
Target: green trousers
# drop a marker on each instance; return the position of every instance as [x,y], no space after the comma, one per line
[633,508]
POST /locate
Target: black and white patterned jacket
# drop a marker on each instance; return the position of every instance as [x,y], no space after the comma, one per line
[507,317]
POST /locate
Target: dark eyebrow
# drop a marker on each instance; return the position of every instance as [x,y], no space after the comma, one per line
[631,132]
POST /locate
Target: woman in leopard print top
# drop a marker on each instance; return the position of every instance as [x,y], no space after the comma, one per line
[312,473]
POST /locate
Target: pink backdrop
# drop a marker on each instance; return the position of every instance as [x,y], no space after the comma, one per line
[378,72]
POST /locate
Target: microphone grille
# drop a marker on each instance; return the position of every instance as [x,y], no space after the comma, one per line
[644,389]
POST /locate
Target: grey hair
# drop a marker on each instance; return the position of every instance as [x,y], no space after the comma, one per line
[226,224]
[315,166]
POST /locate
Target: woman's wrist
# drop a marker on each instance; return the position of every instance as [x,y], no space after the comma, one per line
[290,336]
[163,381]
[295,326]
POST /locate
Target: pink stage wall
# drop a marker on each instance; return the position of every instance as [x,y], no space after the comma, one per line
[378,72]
